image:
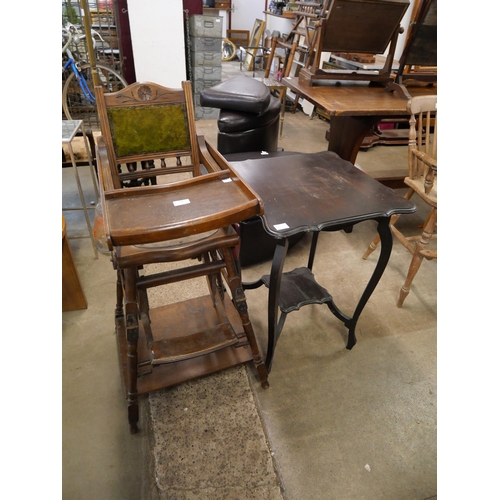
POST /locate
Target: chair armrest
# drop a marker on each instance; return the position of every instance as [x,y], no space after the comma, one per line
[427,159]
[104,175]
[206,157]
[217,162]
[106,180]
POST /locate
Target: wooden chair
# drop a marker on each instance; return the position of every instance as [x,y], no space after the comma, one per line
[422,179]
[188,221]
[290,50]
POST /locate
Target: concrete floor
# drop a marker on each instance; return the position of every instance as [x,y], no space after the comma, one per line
[334,424]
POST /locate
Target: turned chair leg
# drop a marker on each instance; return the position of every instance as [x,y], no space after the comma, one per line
[240,303]
[119,295]
[132,333]
[418,255]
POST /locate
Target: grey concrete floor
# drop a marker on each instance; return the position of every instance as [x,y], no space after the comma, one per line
[334,424]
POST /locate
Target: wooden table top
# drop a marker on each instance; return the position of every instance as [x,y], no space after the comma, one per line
[313,191]
[357,99]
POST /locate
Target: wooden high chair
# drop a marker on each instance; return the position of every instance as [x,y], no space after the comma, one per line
[188,221]
[422,179]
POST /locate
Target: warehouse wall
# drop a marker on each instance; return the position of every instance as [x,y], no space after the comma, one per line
[157,33]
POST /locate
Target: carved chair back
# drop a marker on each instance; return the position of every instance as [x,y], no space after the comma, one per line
[422,144]
[147,122]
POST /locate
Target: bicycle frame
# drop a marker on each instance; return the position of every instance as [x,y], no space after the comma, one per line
[81,81]
[71,63]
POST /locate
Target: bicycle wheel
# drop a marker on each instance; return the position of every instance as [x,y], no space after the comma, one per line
[76,106]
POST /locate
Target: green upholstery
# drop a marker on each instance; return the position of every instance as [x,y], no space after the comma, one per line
[143,130]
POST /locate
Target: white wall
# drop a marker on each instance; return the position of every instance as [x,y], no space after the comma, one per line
[245,12]
[157,33]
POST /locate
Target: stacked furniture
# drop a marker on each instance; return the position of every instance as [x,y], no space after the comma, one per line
[205,34]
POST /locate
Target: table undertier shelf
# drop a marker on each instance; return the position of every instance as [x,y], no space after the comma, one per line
[299,288]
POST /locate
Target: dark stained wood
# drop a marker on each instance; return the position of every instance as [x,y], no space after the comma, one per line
[421,45]
[356,26]
[349,26]
[123,25]
[316,192]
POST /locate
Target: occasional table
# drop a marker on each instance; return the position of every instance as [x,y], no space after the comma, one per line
[315,192]
[69,130]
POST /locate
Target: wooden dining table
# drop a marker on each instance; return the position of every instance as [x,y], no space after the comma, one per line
[354,109]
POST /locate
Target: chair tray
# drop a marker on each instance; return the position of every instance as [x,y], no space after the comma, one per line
[180,209]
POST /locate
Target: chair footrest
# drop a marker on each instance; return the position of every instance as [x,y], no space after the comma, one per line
[190,346]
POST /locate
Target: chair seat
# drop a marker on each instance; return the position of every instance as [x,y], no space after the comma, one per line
[175,250]
[418,186]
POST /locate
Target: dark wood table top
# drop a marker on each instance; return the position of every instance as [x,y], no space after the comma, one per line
[314,191]
[358,98]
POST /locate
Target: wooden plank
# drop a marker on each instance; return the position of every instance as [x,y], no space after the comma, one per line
[183,318]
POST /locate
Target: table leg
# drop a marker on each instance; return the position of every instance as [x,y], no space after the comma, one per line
[312,250]
[347,134]
[82,197]
[273,303]
[91,165]
[282,117]
[385,234]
